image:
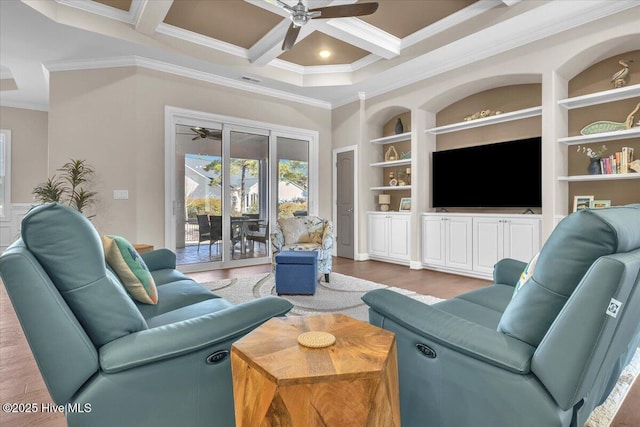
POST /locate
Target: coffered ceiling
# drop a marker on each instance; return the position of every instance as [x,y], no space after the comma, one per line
[239,42]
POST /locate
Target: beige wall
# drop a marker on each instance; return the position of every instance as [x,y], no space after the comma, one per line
[28,150]
[115,119]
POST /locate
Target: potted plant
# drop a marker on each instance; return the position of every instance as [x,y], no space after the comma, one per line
[69,187]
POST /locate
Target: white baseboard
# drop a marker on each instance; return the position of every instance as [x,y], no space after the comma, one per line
[415,265]
[362,257]
[467,273]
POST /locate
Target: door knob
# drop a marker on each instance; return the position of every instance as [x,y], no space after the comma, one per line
[350,210]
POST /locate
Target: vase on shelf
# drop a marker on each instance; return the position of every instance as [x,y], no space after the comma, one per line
[399,127]
[594,166]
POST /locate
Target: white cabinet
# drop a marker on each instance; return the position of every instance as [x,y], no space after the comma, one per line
[471,244]
[446,241]
[497,237]
[389,235]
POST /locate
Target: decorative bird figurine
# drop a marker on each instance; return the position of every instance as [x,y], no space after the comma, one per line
[619,78]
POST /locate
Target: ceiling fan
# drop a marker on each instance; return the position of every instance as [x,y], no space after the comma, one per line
[203,133]
[300,14]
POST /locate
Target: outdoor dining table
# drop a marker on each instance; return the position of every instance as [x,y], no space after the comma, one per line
[244,223]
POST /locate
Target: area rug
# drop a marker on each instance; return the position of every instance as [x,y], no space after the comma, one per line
[343,295]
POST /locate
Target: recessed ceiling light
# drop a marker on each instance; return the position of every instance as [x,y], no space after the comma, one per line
[324,54]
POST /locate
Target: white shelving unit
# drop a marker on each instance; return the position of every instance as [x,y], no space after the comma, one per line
[599,137]
[406,136]
[392,187]
[598,98]
[601,97]
[393,138]
[389,237]
[486,121]
[391,163]
[604,177]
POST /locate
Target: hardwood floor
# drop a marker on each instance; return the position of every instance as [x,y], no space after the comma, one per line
[20,380]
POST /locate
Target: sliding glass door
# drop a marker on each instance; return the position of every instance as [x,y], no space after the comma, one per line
[199,195]
[227,180]
[293,177]
[248,189]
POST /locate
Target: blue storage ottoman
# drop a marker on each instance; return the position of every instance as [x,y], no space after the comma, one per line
[296,272]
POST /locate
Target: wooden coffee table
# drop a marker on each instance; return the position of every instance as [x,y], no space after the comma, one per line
[279,382]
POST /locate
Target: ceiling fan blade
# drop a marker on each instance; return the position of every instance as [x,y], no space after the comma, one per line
[290,38]
[196,137]
[280,4]
[357,9]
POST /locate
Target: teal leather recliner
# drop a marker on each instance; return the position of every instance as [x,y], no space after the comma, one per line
[113,361]
[544,357]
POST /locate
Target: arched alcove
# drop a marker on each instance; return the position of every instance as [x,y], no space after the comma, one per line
[591,55]
[450,96]
[381,124]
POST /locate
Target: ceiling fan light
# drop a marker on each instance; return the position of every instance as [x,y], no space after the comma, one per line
[299,19]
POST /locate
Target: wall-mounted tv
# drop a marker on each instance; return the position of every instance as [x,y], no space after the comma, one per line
[499,175]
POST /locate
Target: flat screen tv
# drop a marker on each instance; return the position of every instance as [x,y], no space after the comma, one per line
[499,175]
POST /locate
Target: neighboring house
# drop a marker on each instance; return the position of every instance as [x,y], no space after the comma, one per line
[198,183]
[289,192]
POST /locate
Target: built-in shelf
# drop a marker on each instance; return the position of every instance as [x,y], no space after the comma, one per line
[393,138]
[391,163]
[601,97]
[607,177]
[392,187]
[599,137]
[486,121]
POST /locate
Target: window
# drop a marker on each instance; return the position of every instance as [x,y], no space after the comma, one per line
[5,172]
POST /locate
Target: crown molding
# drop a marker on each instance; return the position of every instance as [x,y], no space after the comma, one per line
[310,70]
[325,69]
[23,105]
[137,61]
[130,17]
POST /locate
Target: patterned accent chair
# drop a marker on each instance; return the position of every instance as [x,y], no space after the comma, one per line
[304,233]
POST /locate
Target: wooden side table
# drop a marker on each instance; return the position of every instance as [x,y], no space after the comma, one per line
[278,382]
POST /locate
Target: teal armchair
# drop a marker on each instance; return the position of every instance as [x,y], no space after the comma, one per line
[544,357]
[132,364]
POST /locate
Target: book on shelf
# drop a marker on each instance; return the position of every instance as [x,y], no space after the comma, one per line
[618,162]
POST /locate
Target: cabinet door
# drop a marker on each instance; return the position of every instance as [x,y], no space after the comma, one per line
[399,237]
[458,243]
[378,235]
[521,238]
[433,239]
[487,243]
